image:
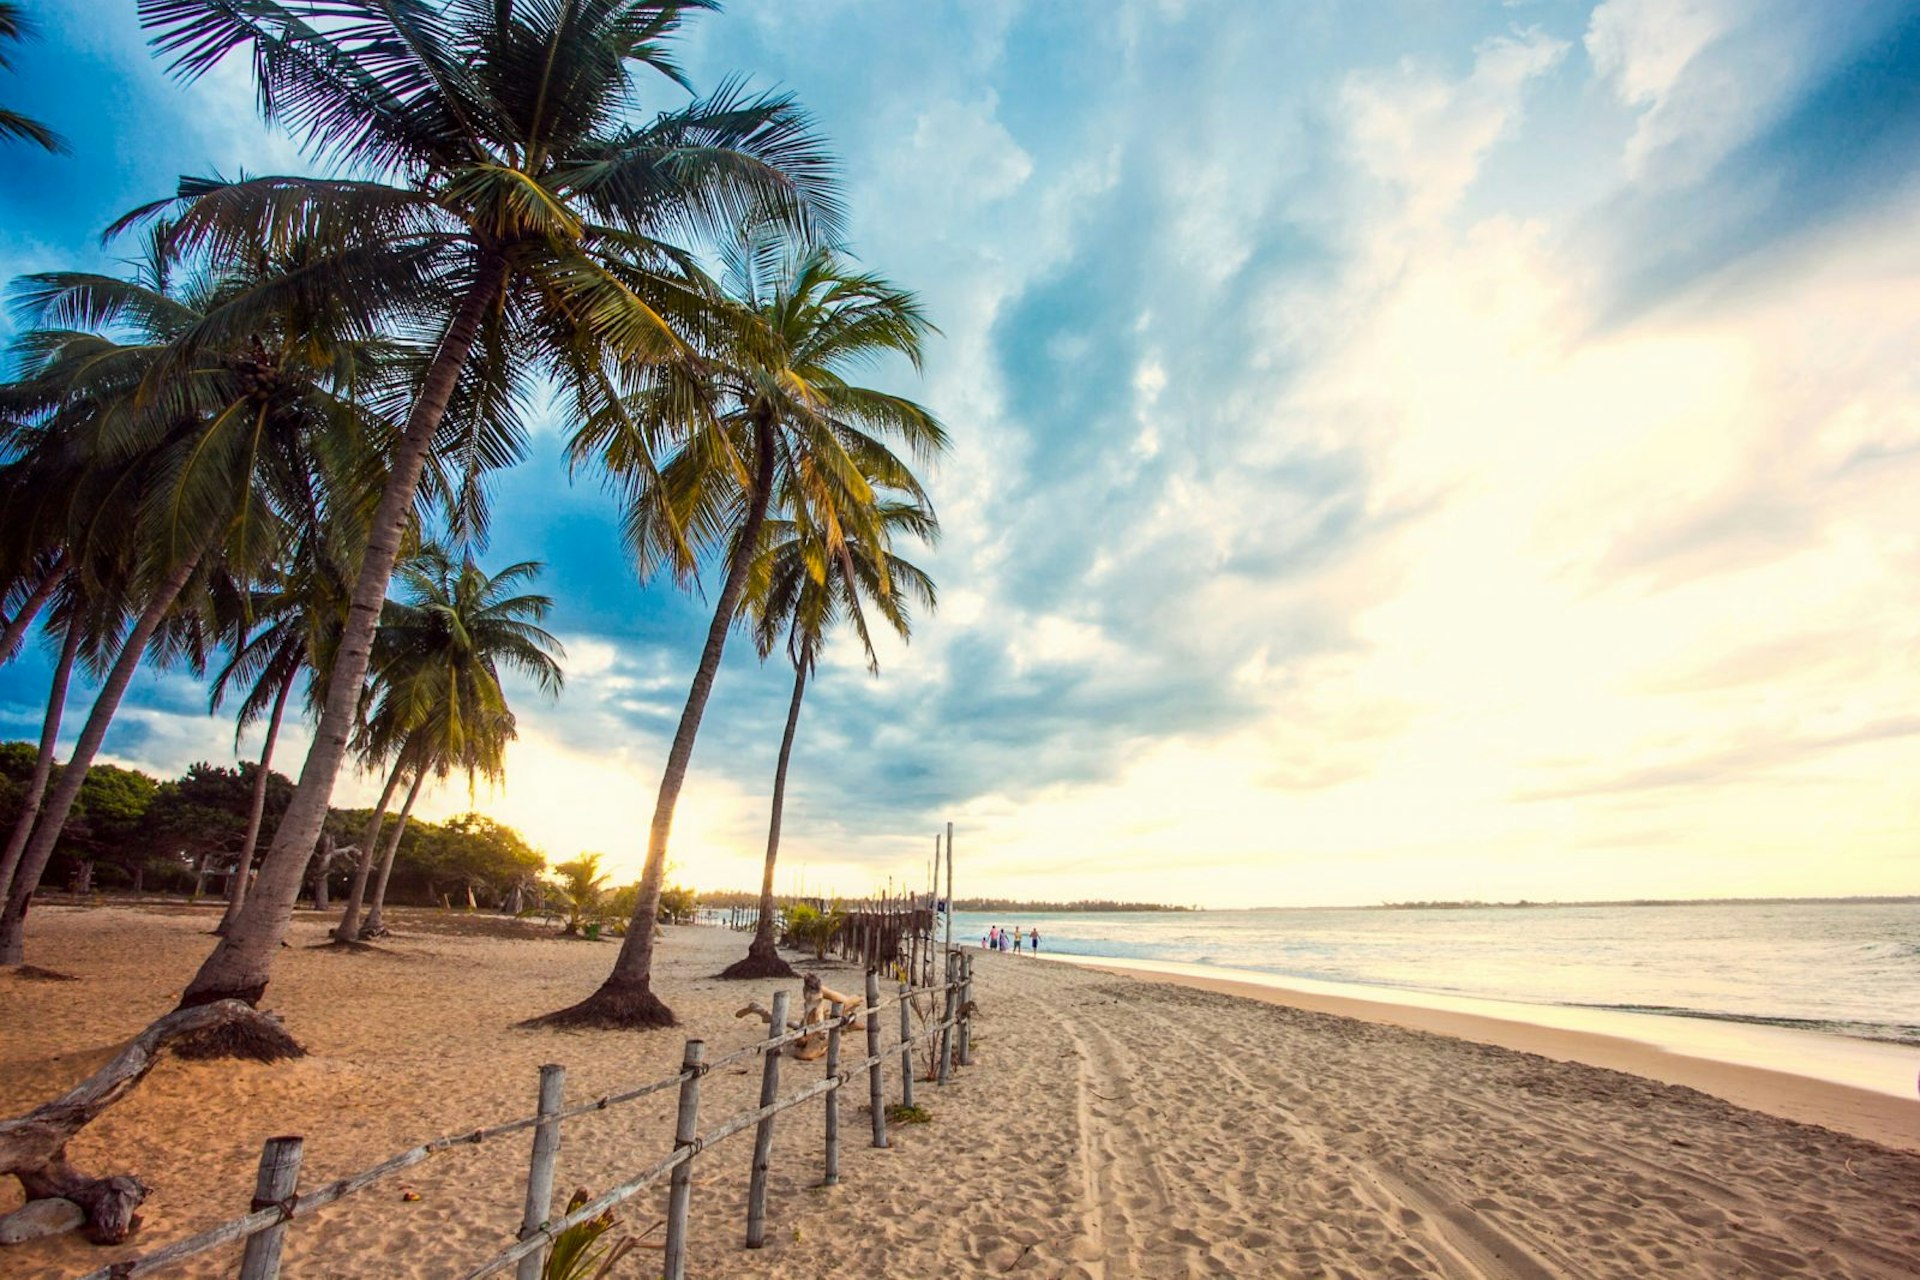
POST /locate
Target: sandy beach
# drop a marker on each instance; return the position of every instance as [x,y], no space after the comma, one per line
[1110,1127]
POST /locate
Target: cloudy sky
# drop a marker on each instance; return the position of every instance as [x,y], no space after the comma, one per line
[1401,451]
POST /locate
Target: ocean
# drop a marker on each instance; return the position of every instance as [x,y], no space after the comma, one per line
[1835,968]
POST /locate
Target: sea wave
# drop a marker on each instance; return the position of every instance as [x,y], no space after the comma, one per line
[1891,1032]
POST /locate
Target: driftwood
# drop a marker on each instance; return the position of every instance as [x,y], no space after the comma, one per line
[321,865]
[820,1000]
[33,1148]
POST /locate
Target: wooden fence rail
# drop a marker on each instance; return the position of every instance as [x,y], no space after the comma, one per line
[277,1203]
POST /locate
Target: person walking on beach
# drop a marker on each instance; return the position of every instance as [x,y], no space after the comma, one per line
[1033,939]
[1016,939]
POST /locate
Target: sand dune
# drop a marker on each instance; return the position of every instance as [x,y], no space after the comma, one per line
[1110,1127]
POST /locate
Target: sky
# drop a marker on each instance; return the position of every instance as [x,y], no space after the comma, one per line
[1400,451]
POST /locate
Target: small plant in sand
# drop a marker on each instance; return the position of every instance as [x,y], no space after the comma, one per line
[901,1113]
[580,1253]
[581,890]
[922,1008]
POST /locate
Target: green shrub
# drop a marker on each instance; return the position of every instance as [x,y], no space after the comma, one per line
[578,1253]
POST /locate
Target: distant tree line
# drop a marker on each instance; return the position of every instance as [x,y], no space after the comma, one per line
[1085,904]
[130,831]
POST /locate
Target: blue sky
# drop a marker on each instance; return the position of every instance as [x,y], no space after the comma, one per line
[1401,451]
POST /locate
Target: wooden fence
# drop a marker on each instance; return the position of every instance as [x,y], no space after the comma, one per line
[882,932]
[277,1200]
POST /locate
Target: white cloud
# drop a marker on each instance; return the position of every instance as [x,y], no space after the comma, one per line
[1650,52]
[1644,46]
[957,158]
[1426,135]
[1703,77]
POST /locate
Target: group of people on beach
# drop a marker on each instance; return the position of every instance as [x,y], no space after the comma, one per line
[998,939]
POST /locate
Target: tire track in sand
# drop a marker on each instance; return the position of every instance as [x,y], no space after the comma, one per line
[1446,1224]
[1123,1183]
[1676,1177]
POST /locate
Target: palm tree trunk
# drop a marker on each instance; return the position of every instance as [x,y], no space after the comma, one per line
[43,762]
[349,927]
[242,962]
[237,891]
[33,861]
[626,998]
[17,625]
[375,926]
[763,959]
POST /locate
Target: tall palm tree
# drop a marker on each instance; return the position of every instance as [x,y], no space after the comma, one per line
[799,590]
[416,759]
[204,455]
[45,486]
[14,26]
[442,650]
[278,632]
[492,144]
[86,632]
[375,758]
[764,415]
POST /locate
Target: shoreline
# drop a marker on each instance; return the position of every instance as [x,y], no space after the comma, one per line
[1682,1056]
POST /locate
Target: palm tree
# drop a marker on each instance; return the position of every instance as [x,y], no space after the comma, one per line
[493,151]
[445,647]
[43,489]
[76,624]
[417,758]
[204,455]
[278,632]
[15,26]
[764,415]
[348,930]
[799,590]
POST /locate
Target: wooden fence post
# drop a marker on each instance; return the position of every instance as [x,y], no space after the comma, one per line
[546,1152]
[279,1175]
[876,1079]
[906,1047]
[946,1019]
[686,1127]
[966,1016]
[832,1174]
[763,1137]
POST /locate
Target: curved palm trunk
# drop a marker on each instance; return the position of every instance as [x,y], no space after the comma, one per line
[26,877]
[626,998]
[240,965]
[763,959]
[237,890]
[349,927]
[16,630]
[43,762]
[375,925]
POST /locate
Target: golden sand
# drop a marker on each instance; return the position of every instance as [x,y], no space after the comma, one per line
[1109,1127]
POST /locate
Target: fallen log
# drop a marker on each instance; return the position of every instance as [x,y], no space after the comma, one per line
[819,999]
[33,1148]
